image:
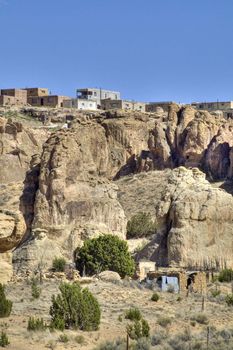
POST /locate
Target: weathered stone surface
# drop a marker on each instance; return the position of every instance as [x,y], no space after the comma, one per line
[69,195]
[109,276]
[194,219]
[12,229]
[17,145]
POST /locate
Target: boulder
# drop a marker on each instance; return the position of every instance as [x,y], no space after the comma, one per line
[109,276]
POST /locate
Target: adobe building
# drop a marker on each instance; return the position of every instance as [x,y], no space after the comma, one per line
[97,94]
[123,104]
[180,281]
[153,106]
[54,101]
[80,104]
[13,97]
[37,92]
[225,107]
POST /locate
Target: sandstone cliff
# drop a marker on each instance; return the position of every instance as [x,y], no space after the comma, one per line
[194,219]
[69,194]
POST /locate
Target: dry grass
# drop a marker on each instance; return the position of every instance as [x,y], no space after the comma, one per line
[115,299]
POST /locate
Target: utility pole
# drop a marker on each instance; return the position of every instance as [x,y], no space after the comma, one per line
[127,341]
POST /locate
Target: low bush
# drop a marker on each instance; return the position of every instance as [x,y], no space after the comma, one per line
[200,318]
[139,329]
[75,308]
[59,264]
[119,344]
[140,225]
[35,289]
[5,304]
[155,297]
[164,321]
[133,314]
[63,338]
[226,275]
[158,338]
[229,299]
[36,324]
[215,293]
[4,341]
[79,339]
[142,344]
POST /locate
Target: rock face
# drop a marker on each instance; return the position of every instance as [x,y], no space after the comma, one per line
[17,145]
[74,199]
[194,139]
[12,229]
[194,219]
[69,194]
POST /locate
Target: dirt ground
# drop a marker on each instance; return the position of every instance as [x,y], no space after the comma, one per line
[115,299]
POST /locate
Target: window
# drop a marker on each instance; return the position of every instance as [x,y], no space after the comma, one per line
[95,93]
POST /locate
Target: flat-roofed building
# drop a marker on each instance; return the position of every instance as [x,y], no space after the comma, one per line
[80,104]
[9,101]
[213,106]
[153,106]
[20,96]
[37,91]
[97,94]
[123,104]
[48,101]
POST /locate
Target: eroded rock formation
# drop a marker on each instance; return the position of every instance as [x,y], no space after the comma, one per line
[194,219]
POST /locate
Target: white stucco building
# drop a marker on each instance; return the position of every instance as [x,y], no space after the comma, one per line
[90,105]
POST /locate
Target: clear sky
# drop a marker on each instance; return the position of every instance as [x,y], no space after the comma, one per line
[150,50]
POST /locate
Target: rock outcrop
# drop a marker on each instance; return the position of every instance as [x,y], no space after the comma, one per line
[12,230]
[69,194]
[194,219]
[17,144]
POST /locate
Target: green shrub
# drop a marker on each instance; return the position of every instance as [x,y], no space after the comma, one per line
[59,264]
[4,341]
[57,323]
[133,314]
[142,344]
[35,289]
[155,297]
[5,305]
[75,308]
[36,324]
[107,252]
[215,293]
[140,225]
[164,321]
[200,318]
[226,275]
[79,339]
[63,338]
[229,299]
[139,329]
[119,344]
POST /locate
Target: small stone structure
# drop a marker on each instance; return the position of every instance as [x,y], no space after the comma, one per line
[144,267]
[48,101]
[193,281]
[123,104]
[13,97]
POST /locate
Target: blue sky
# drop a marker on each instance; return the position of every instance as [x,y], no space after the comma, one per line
[151,50]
